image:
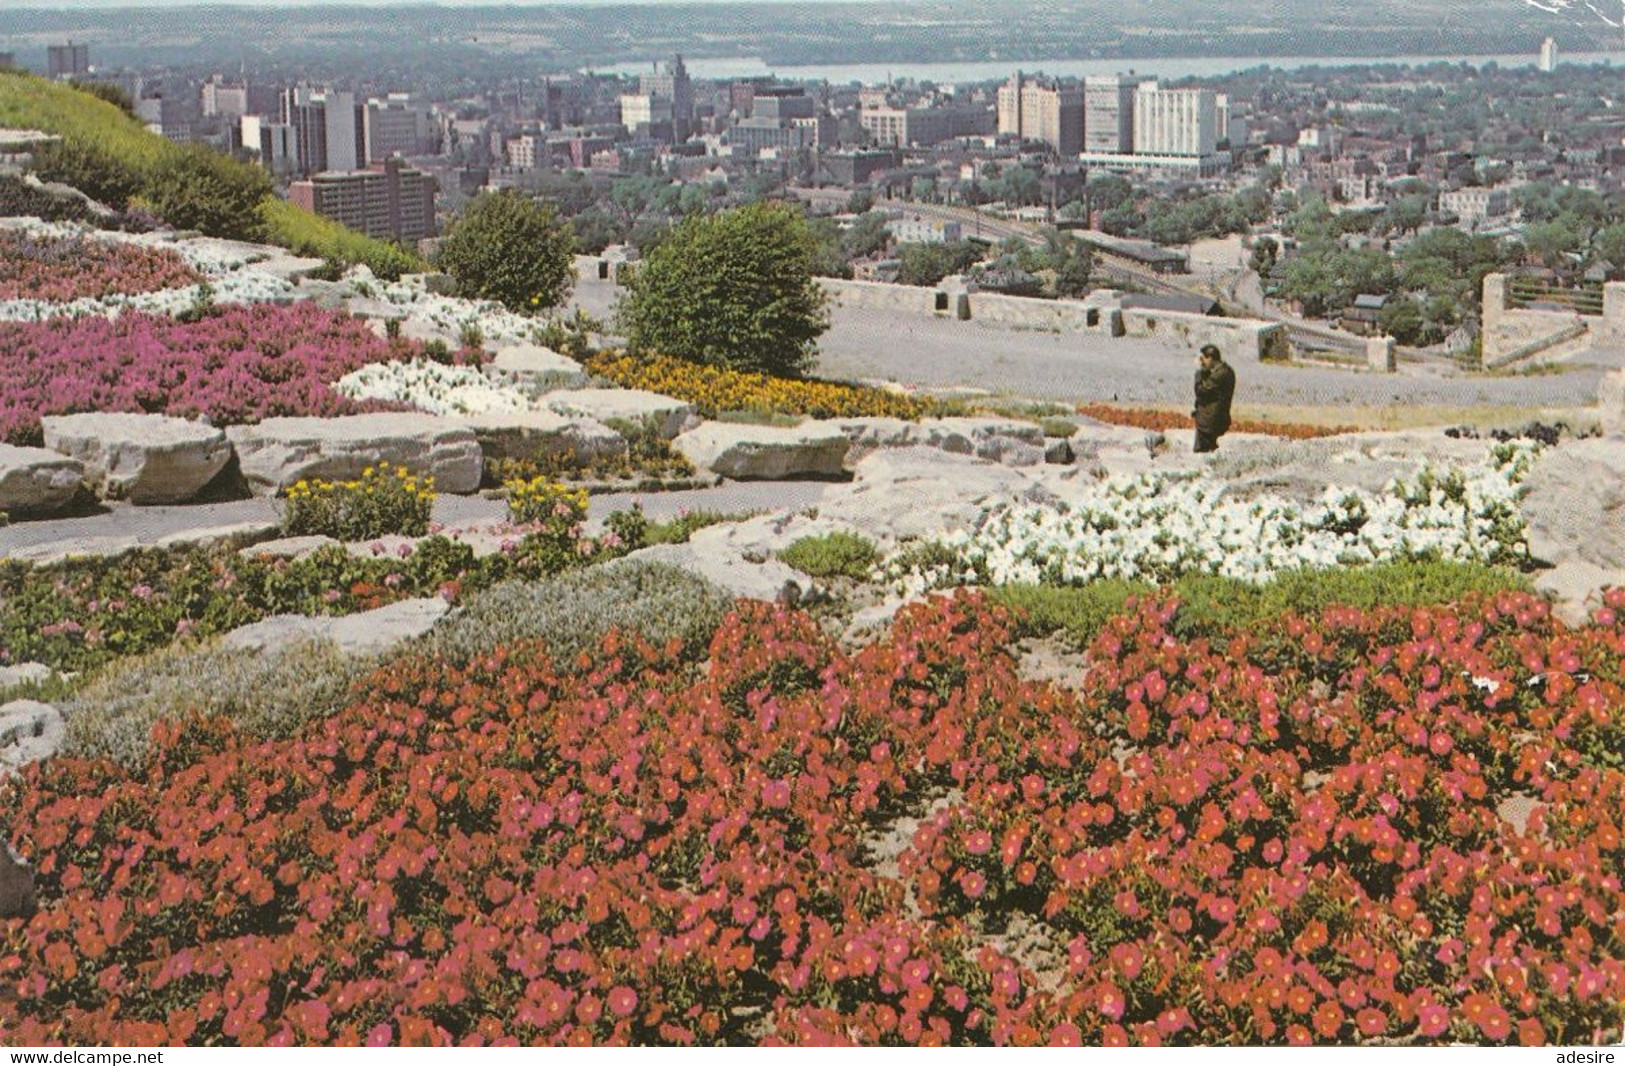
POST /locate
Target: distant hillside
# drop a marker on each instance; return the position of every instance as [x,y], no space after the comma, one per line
[31,102]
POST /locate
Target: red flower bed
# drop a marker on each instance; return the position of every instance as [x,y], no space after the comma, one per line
[1307,835]
[242,364]
[62,269]
[1162,421]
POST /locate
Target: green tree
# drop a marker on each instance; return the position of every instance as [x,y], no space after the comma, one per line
[1266,253]
[109,92]
[1072,273]
[928,263]
[861,202]
[734,289]
[509,248]
[866,236]
[198,188]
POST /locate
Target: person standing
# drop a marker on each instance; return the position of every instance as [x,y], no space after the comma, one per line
[1215,386]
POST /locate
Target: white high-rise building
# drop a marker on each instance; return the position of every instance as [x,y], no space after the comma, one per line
[1175,122]
[1548,56]
[345,148]
[1108,113]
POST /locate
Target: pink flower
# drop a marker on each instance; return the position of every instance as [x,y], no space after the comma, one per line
[973,884]
[622,1000]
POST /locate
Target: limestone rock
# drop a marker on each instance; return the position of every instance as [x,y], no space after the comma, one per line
[1575,589]
[670,417]
[146,459]
[37,481]
[907,493]
[531,366]
[29,731]
[366,633]
[544,434]
[1003,440]
[280,451]
[1574,504]
[765,453]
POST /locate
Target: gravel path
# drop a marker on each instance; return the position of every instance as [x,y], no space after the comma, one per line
[864,343]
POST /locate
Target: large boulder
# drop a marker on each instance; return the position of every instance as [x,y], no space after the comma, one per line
[907,493]
[1002,440]
[37,481]
[1574,504]
[146,459]
[670,417]
[29,731]
[535,368]
[766,453]
[545,434]
[278,452]
[366,633]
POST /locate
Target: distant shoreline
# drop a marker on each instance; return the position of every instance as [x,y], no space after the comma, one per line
[948,72]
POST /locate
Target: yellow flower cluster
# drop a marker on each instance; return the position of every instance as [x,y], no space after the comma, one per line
[384,500]
[546,501]
[712,389]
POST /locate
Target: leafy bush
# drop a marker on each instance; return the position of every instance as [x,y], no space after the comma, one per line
[838,554]
[197,188]
[734,290]
[568,615]
[713,389]
[18,199]
[266,694]
[93,169]
[384,502]
[509,248]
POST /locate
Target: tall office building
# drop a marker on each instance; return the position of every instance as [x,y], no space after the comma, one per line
[1108,112]
[670,82]
[395,125]
[389,201]
[1042,111]
[1548,56]
[1175,122]
[67,60]
[329,128]
[223,98]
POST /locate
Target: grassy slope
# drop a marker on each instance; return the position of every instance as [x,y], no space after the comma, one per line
[31,102]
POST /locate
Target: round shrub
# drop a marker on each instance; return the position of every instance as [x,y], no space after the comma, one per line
[509,248]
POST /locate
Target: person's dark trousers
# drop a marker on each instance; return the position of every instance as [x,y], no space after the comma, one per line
[1205,443]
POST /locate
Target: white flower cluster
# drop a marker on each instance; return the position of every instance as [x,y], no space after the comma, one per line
[450,314]
[433,387]
[1157,527]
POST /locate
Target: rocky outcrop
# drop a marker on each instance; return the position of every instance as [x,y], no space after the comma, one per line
[766,453]
[278,452]
[1002,440]
[536,369]
[906,493]
[669,417]
[544,434]
[1574,508]
[37,481]
[146,459]
[748,578]
[29,731]
[367,633]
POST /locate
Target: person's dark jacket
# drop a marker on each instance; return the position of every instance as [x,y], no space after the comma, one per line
[1214,389]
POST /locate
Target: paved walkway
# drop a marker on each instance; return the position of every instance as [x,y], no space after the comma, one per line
[122,524]
[917,350]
